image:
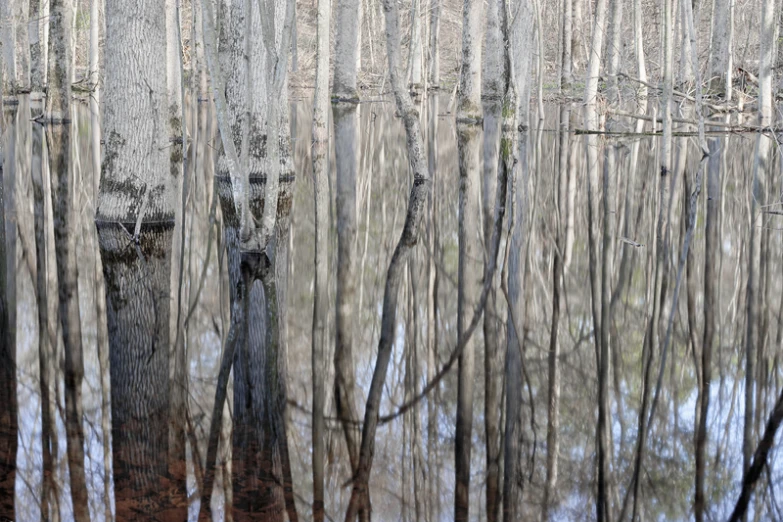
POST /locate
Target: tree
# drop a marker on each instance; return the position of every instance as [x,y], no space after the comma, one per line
[135,222]
[58,95]
[9,424]
[516,114]
[320,149]
[469,282]
[346,51]
[418,197]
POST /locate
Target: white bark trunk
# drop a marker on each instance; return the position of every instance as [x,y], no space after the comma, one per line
[346,50]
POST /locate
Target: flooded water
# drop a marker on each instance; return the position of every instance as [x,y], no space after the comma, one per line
[117,476]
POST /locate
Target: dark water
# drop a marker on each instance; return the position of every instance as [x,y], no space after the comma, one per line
[382,188]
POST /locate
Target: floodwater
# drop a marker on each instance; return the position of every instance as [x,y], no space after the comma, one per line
[382,187]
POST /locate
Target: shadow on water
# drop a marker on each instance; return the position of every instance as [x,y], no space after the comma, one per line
[88,319]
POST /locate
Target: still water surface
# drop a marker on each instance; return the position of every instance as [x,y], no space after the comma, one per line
[381,196]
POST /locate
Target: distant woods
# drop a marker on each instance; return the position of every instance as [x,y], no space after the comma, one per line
[578,293]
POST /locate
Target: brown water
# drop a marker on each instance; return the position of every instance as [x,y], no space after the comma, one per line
[382,189]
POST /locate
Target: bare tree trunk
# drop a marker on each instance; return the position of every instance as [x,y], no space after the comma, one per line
[139,197]
[433,243]
[515,110]
[8,37]
[419,194]
[414,74]
[9,423]
[34,36]
[761,166]
[600,338]
[492,86]
[469,282]
[553,410]
[21,9]
[320,149]
[566,36]
[721,65]
[434,50]
[346,50]
[58,96]
[63,192]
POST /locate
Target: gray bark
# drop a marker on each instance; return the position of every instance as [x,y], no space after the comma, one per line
[492,87]
[9,425]
[722,30]
[65,218]
[135,226]
[600,338]
[346,50]
[418,197]
[58,95]
[566,35]
[319,153]
[415,49]
[469,271]
[433,49]
[34,36]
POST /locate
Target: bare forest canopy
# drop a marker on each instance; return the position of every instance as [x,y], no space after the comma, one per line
[396,260]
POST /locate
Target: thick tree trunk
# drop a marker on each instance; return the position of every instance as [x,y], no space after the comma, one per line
[135,220]
[346,50]
[320,150]
[721,45]
[58,95]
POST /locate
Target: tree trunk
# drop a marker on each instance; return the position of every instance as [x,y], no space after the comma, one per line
[433,243]
[515,110]
[320,150]
[600,338]
[492,78]
[346,131]
[9,424]
[469,277]
[566,35]
[346,50]
[418,197]
[36,49]
[415,50]
[761,168]
[434,50]
[721,65]
[137,196]
[65,216]
[58,96]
